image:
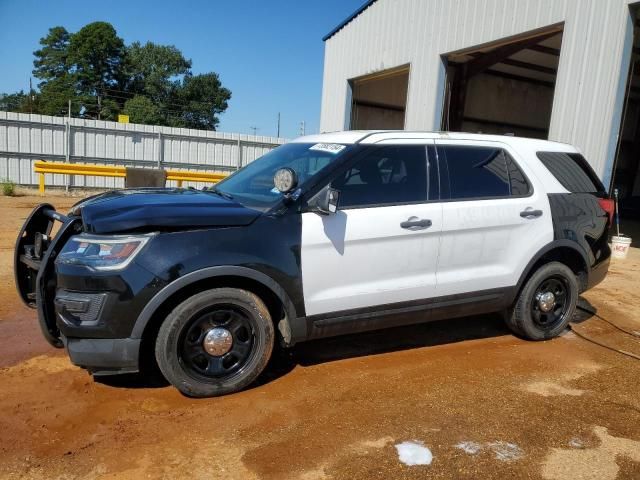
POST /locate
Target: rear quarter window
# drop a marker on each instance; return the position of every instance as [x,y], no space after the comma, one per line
[572,171]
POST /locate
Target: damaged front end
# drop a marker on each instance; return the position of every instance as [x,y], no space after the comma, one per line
[36,250]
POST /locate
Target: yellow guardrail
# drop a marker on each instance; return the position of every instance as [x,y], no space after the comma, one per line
[41,167]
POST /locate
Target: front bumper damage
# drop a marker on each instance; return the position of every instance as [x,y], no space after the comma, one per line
[34,268]
[36,280]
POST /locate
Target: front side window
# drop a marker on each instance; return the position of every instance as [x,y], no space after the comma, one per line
[386,175]
[481,172]
[253,185]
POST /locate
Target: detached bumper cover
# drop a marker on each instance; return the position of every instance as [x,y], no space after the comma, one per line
[104,356]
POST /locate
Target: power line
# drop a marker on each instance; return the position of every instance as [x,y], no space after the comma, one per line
[129,95]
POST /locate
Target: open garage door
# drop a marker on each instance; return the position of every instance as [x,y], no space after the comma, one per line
[503,87]
[379,101]
[626,171]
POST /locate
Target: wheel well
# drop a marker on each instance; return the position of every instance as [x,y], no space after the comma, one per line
[567,256]
[147,344]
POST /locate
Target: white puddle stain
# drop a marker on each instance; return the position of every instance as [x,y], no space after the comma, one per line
[576,443]
[469,447]
[414,453]
[503,451]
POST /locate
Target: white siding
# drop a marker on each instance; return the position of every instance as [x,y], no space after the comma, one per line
[26,138]
[591,76]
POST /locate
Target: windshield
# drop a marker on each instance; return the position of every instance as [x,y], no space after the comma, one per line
[253,184]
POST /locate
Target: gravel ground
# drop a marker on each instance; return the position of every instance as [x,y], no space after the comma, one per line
[484,403]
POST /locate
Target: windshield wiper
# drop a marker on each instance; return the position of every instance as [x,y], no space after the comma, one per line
[220,193]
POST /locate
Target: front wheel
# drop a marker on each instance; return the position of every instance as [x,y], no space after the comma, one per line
[216,342]
[546,303]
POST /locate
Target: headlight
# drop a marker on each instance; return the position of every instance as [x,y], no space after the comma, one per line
[102,253]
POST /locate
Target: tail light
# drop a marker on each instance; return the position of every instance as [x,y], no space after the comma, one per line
[608,206]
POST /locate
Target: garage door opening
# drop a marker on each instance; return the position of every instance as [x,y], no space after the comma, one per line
[505,87]
[626,171]
[379,101]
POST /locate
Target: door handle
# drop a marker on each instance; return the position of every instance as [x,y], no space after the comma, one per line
[531,213]
[415,223]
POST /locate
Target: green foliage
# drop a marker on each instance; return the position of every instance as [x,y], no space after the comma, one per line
[205,97]
[153,69]
[8,188]
[15,102]
[95,56]
[142,110]
[103,77]
[51,60]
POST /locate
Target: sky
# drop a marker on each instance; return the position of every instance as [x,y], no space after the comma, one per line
[269,53]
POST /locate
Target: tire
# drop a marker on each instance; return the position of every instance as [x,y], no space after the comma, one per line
[191,343]
[529,318]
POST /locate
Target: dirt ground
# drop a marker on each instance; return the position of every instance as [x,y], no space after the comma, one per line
[486,404]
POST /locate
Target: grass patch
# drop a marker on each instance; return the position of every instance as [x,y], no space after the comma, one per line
[8,187]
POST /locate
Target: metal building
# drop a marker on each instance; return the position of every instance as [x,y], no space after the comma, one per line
[557,69]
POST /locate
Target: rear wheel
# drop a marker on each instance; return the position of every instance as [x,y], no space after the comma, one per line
[546,303]
[215,342]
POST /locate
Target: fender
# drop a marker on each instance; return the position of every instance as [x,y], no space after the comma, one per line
[562,243]
[212,272]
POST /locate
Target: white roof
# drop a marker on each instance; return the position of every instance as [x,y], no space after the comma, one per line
[378,136]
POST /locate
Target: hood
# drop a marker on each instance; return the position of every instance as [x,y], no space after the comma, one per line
[150,208]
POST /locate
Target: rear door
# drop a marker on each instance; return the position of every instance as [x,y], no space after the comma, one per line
[381,247]
[495,218]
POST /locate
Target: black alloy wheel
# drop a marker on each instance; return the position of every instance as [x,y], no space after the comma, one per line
[215,342]
[546,303]
[550,303]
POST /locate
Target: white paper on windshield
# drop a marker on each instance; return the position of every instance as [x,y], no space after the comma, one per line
[328,147]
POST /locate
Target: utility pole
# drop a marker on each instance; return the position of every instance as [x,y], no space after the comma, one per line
[99,105]
[302,129]
[30,96]
[67,149]
[278,130]
[255,129]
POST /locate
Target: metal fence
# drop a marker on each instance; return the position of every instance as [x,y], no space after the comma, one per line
[25,138]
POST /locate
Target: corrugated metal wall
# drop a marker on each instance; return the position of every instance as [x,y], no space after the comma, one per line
[591,76]
[26,138]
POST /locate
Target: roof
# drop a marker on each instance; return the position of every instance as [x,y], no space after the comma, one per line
[347,20]
[378,136]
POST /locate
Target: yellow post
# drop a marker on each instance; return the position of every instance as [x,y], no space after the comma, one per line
[41,184]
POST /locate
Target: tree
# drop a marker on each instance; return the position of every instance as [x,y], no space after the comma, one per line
[153,69]
[15,102]
[95,56]
[142,110]
[102,77]
[203,97]
[51,60]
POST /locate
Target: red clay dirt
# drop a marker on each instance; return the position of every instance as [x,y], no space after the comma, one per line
[334,409]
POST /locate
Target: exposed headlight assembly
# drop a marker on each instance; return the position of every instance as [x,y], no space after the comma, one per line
[113,252]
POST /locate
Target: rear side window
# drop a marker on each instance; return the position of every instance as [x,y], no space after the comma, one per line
[572,171]
[386,176]
[482,172]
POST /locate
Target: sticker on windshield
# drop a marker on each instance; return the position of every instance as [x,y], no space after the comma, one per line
[328,147]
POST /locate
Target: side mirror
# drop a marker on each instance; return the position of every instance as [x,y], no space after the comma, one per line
[325,202]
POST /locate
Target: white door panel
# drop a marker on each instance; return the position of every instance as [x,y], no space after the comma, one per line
[362,257]
[487,244]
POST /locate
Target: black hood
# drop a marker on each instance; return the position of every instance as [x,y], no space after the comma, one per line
[149,208]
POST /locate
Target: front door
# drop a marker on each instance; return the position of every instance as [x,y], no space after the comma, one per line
[381,247]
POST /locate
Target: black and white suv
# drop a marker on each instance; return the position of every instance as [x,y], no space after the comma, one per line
[326,235]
